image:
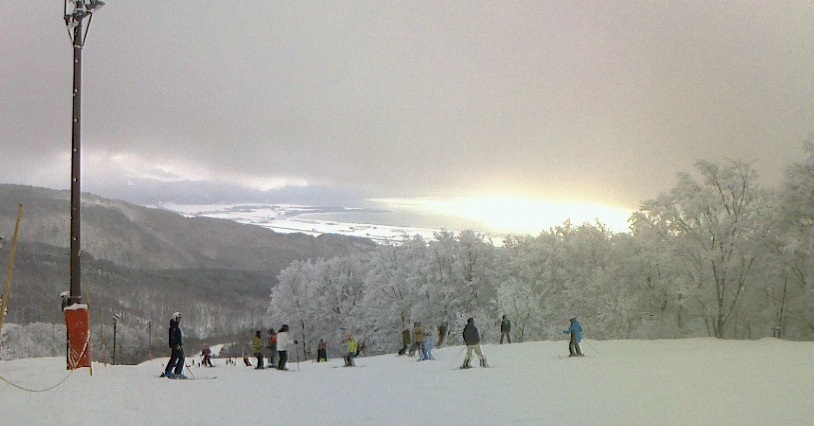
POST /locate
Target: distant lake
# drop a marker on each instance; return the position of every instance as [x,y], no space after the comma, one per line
[399,217]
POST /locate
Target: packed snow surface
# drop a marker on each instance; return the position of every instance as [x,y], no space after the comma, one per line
[662,382]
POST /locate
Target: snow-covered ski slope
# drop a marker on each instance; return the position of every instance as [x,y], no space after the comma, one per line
[662,382]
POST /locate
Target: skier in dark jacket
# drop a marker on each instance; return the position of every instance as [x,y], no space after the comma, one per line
[175,367]
[575,330]
[472,340]
[505,329]
[322,351]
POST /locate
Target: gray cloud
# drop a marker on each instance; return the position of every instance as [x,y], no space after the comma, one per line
[548,99]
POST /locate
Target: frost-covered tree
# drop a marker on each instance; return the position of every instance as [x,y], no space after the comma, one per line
[32,340]
[321,299]
[392,291]
[794,233]
[524,283]
[291,299]
[339,292]
[458,280]
[712,227]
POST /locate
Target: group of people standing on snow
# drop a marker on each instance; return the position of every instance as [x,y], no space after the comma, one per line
[278,344]
[420,342]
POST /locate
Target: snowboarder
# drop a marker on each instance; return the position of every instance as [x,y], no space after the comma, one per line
[257,346]
[472,340]
[406,341]
[575,330]
[505,329]
[284,340]
[353,350]
[175,367]
[322,351]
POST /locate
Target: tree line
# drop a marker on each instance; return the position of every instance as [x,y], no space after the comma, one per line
[717,255]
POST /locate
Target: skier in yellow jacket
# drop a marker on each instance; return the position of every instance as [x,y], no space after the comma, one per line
[353,350]
[257,347]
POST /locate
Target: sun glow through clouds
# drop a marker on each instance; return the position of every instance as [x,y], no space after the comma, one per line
[517,215]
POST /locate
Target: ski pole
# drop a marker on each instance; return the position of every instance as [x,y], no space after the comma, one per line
[190,371]
[456,356]
[592,347]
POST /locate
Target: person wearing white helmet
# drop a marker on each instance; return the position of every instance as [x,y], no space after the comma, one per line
[175,367]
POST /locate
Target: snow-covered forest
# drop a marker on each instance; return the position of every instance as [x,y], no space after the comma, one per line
[717,255]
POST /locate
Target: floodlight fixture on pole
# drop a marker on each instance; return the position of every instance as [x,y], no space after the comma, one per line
[76,314]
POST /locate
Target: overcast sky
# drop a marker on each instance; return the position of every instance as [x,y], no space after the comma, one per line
[591,101]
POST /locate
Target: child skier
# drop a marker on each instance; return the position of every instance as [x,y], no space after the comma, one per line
[206,353]
[429,343]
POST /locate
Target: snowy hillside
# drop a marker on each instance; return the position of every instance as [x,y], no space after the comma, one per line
[680,382]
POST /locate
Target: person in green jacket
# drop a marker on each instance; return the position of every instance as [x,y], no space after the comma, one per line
[257,346]
[353,349]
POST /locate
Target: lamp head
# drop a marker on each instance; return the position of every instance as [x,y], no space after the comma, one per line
[94,5]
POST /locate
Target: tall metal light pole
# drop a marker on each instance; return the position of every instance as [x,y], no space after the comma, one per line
[115,323]
[150,336]
[76,317]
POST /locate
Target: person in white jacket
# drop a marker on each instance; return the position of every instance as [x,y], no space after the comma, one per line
[284,340]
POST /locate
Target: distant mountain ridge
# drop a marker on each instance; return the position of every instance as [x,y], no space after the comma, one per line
[136,236]
[145,263]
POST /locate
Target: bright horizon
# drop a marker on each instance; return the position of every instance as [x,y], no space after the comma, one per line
[514,214]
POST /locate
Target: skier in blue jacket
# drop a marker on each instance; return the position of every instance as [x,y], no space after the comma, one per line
[575,330]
